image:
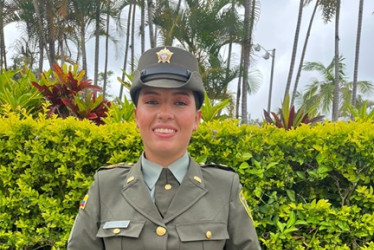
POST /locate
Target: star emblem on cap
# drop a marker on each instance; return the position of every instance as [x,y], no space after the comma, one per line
[164,56]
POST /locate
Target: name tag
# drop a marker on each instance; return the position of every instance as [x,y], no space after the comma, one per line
[116,224]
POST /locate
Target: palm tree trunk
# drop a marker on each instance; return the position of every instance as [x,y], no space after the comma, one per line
[42,33]
[133,38]
[142,25]
[294,50]
[2,43]
[97,41]
[238,91]
[246,47]
[357,52]
[83,47]
[303,54]
[126,49]
[51,30]
[336,100]
[150,23]
[106,51]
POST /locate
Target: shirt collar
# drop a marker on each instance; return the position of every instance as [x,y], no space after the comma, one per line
[151,171]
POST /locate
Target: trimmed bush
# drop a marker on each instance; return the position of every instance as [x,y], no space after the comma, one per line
[308,188]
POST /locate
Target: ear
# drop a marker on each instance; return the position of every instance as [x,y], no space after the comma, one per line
[197,120]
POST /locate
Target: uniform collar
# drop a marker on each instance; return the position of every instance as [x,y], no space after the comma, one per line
[151,171]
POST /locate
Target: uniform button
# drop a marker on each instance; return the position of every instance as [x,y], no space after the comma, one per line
[208,234]
[167,187]
[116,231]
[160,231]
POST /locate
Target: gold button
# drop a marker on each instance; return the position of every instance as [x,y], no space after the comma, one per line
[167,187]
[160,231]
[208,234]
[116,231]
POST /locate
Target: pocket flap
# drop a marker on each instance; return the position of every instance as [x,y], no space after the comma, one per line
[132,229]
[202,231]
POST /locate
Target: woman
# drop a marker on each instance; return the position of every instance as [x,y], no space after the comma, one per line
[166,200]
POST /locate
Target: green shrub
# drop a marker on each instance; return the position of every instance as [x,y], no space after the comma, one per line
[308,188]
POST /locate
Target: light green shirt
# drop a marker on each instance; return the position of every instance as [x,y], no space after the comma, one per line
[151,171]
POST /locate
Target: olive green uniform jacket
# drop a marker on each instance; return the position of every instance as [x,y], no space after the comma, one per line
[206,213]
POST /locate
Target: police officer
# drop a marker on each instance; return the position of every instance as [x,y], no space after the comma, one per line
[166,200]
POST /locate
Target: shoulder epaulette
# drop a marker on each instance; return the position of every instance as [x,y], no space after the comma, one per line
[118,165]
[219,166]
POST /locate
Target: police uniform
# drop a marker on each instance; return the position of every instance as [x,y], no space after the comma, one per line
[208,210]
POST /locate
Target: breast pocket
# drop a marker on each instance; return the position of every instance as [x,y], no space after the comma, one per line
[202,236]
[119,235]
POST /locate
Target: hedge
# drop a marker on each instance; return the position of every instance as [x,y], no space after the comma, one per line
[308,188]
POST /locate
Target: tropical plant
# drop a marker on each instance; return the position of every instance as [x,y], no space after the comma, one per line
[69,94]
[120,111]
[361,114]
[17,92]
[288,118]
[209,112]
[321,91]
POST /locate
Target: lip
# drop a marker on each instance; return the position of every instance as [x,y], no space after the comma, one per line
[164,131]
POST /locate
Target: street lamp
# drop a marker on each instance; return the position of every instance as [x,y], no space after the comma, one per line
[266,56]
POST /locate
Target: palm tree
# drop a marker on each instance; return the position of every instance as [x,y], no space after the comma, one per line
[246,47]
[304,51]
[42,32]
[321,91]
[357,52]
[335,104]
[294,50]
[126,47]
[150,23]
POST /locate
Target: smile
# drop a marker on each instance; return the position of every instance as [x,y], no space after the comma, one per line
[164,130]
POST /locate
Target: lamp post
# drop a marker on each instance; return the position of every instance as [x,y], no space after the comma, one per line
[266,56]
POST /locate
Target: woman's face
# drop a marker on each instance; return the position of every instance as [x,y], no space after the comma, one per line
[166,119]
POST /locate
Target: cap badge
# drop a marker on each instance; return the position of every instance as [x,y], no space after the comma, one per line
[164,56]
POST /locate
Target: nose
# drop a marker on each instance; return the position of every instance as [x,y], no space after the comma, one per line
[165,113]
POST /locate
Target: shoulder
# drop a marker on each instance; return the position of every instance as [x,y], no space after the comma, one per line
[218,173]
[113,172]
[120,165]
[216,167]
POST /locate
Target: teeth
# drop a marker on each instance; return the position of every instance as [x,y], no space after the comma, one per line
[164,130]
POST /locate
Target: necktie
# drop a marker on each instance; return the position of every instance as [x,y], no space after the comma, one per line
[166,187]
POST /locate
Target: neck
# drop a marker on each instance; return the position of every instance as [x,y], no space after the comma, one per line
[162,160]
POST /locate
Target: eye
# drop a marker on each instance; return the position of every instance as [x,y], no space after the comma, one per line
[151,102]
[181,103]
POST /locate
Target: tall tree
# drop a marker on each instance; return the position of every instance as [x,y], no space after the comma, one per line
[126,48]
[294,49]
[304,51]
[42,31]
[321,91]
[2,43]
[335,104]
[357,52]
[246,47]
[150,23]
[98,5]
[142,25]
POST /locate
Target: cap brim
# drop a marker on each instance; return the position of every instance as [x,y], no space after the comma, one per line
[164,83]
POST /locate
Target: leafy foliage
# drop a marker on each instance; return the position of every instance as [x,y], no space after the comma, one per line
[68,94]
[308,188]
[17,92]
[120,112]
[289,118]
[210,112]
[361,113]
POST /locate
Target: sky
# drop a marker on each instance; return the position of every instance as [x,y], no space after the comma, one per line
[275,28]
